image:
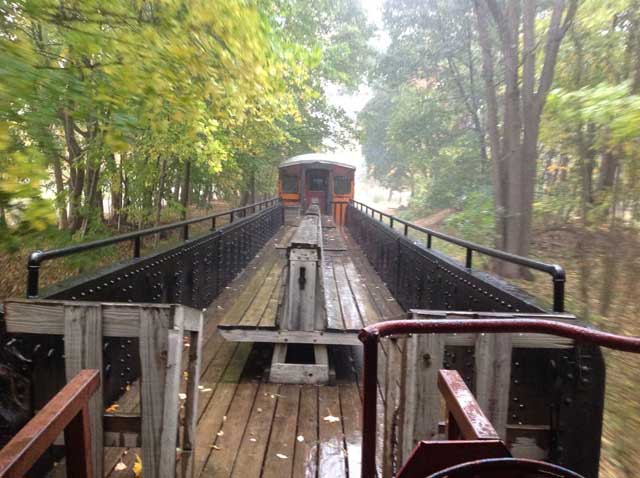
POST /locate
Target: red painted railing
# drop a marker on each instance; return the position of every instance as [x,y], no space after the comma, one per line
[67,411]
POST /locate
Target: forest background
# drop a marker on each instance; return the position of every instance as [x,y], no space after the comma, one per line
[515,123]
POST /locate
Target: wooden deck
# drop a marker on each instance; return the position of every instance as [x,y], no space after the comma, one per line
[248,427]
[349,305]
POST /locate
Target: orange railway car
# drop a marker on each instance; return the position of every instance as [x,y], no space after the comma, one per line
[317,176]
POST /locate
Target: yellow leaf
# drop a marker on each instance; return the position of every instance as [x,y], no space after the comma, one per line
[112,408]
[137,467]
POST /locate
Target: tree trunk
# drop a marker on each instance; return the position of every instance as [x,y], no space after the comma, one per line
[608,168]
[611,257]
[61,201]
[186,188]
[491,100]
[91,196]
[160,191]
[514,150]
[76,172]
[252,187]
[117,193]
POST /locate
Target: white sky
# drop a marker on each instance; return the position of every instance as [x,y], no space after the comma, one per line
[353,103]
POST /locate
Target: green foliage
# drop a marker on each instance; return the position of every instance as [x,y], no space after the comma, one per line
[417,132]
[123,99]
[476,220]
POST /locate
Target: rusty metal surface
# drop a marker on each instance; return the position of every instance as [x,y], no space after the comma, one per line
[578,333]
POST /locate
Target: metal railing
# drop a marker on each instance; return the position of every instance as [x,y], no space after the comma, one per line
[36,258]
[556,272]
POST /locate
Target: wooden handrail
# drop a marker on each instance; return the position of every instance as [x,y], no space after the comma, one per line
[68,410]
[466,420]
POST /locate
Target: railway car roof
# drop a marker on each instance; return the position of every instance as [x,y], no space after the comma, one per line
[311,158]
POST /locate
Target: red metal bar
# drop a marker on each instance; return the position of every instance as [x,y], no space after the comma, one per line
[67,410]
[462,406]
[370,336]
[433,456]
[370,386]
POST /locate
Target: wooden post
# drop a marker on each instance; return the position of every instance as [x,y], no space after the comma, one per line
[83,350]
[424,356]
[193,322]
[160,329]
[493,378]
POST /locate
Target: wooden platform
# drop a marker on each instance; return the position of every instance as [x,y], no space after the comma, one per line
[349,306]
[250,428]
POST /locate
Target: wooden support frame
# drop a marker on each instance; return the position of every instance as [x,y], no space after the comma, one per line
[161,330]
[285,372]
[67,411]
[419,403]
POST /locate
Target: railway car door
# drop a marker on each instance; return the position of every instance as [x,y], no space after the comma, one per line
[317,186]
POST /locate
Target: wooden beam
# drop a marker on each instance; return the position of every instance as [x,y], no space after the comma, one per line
[153,352]
[467,415]
[424,355]
[83,350]
[493,378]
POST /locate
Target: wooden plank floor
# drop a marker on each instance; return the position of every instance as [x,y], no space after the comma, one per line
[248,427]
[349,304]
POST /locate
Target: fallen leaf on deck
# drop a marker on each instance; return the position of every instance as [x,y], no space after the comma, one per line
[280,455]
[121,466]
[331,419]
[215,447]
[112,408]
[220,433]
[300,438]
[252,439]
[137,467]
[206,390]
[259,410]
[182,396]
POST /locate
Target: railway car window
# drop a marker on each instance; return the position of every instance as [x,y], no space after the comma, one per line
[341,185]
[317,183]
[289,184]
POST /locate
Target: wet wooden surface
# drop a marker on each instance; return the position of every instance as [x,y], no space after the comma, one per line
[349,301]
[248,427]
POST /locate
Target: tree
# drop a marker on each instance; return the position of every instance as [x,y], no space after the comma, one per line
[514,112]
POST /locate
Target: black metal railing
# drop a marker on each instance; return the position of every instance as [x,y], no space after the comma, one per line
[192,273]
[357,210]
[36,258]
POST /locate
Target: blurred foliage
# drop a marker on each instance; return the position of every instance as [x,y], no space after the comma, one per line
[148,106]
[476,220]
